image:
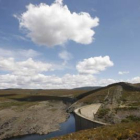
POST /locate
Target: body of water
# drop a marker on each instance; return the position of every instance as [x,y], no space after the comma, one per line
[65,128]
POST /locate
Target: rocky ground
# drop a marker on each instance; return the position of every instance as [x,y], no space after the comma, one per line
[40,118]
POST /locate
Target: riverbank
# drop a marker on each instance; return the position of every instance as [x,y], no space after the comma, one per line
[65,128]
[40,118]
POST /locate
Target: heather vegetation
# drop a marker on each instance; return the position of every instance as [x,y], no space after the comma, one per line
[122,131]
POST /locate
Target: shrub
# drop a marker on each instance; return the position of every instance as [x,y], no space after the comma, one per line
[102,112]
[131,118]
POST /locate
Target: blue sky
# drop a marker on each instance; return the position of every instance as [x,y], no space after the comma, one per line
[56,50]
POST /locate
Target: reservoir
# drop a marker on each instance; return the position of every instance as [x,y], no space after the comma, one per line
[65,128]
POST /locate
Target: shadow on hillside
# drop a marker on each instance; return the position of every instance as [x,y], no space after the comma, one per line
[6,95]
[43,98]
[124,85]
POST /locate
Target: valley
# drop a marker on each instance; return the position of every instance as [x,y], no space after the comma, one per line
[24,112]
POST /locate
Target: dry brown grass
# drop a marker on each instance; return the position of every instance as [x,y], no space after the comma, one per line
[123,131]
[28,97]
[98,96]
[54,92]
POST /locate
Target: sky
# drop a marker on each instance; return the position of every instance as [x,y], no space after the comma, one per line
[46,44]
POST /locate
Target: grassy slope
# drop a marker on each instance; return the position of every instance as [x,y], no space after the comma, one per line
[130,93]
[97,96]
[121,131]
[53,92]
[29,97]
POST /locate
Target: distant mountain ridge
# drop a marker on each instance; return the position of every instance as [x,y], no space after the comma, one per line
[88,88]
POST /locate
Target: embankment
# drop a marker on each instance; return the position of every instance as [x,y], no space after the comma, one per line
[85,122]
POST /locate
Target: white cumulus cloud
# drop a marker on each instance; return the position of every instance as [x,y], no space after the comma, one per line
[59,2]
[28,74]
[55,24]
[42,81]
[135,80]
[38,81]
[27,67]
[94,65]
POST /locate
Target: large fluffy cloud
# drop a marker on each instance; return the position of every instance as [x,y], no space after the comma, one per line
[56,24]
[41,81]
[30,73]
[94,65]
[45,81]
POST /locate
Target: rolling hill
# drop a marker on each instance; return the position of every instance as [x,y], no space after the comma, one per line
[120,108]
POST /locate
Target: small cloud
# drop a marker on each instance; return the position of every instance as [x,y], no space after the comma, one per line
[19,37]
[93,10]
[135,79]
[66,56]
[123,72]
[94,65]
